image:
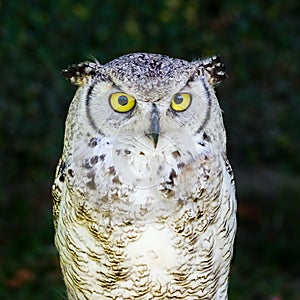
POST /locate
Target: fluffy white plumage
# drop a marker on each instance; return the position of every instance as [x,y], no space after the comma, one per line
[144,197]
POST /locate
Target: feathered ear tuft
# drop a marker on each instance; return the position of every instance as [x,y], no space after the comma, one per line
[78,74]
[214,69]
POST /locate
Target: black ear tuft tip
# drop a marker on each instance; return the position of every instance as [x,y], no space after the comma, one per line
[215,69]
[68,72]
[79,73]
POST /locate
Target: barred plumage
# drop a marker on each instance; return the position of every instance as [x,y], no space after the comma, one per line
[144,198]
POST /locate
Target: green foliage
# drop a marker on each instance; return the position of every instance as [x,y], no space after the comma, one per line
[259,43]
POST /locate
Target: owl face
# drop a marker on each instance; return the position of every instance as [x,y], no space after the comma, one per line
[116,112]
[147,96]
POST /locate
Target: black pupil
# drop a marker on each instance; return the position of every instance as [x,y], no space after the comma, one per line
[123,100]
[178,99]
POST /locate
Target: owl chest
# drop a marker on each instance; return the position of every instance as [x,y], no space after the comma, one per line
[133,175]
[144,220]
[148,258]
[125,197]
[134,186]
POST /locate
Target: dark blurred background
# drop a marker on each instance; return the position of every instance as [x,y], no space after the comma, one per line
[259,43]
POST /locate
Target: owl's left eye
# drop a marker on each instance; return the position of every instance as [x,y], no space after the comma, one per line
[181,101]
[122,102]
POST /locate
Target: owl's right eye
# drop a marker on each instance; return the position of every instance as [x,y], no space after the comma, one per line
[181,101]
[121,102]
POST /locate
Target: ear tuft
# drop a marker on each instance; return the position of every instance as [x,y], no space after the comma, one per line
[212,68]
[78,74]
[215,69]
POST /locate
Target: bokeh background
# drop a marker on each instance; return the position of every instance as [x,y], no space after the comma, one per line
[259,43]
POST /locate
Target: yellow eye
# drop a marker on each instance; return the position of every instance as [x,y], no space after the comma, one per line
[121,102]
[181,101]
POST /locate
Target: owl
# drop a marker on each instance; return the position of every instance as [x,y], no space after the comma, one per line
[144,196]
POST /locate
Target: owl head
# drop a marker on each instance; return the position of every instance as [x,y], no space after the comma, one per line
[148,96]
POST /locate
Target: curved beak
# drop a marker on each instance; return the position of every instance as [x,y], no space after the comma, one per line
[154,127]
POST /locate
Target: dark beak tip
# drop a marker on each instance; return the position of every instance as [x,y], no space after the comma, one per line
[154,137]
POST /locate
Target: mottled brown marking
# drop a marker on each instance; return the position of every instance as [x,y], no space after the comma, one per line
[102,156]
[126,151]
[200,193]
[170,193]
[176,154]
[71,172]
[167,192]
[199,214]
[112,170]
[92,142]
[172,176]
[179,228]
[206,137]
[94,160]
[91,184]
[116,180]
[180,165]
